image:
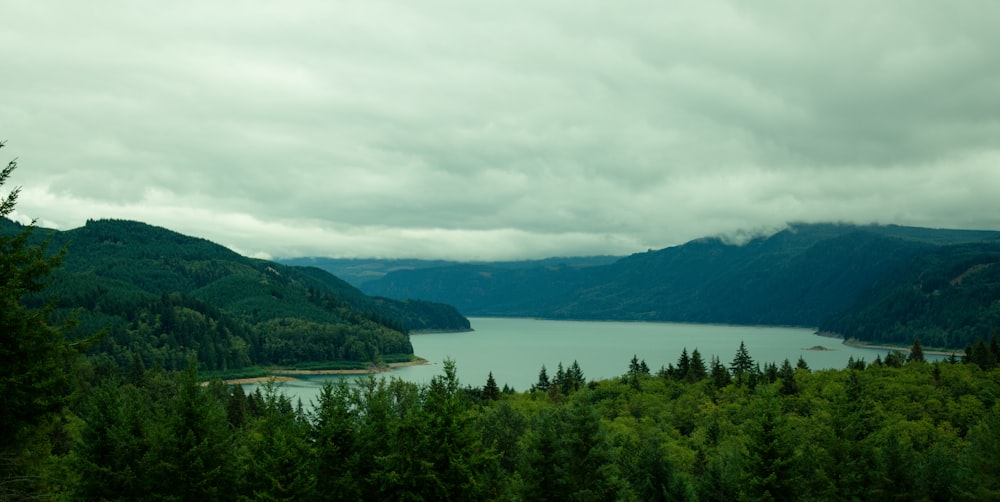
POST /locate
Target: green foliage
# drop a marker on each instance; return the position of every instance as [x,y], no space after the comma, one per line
[36,361]
[913,432]
[167,297]
[948,297]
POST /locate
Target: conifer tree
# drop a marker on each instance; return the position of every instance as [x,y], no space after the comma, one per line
[696,371]
[683,365]
[788,384]
[575,376]
[35,358]
[490,390]
[916,352]
[543,380]
[720,375]
[560,380]
[742,364]
[802,364]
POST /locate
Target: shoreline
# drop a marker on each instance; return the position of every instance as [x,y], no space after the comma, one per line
[289,375]
[906,350]
[854,342]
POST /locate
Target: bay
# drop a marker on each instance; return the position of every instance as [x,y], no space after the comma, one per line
[514,350]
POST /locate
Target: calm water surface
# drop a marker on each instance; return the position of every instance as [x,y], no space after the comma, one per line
[515,349]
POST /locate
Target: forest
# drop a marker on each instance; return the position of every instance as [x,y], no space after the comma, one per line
[165,297]
[881,284]
[949,297]
[893,429]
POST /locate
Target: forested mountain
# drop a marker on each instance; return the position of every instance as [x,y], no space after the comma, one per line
[799,276]
[165,297]
[358,271]
[948,297]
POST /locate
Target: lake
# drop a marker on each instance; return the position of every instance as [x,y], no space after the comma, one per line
[515,350]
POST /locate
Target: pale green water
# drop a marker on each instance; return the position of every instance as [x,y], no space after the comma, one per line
[515,349]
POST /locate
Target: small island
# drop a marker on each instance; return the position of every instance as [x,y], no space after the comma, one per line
[818,347]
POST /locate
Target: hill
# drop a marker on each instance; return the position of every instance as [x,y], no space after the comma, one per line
[165,297]
[948,297]
[359,271]
[799,276]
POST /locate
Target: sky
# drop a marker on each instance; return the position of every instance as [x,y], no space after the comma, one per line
[498,130]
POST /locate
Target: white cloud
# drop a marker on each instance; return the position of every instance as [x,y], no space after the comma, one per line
[500,131]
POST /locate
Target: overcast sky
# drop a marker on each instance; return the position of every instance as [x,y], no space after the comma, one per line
[499,130]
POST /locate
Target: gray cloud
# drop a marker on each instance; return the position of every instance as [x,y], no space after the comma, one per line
[493,130]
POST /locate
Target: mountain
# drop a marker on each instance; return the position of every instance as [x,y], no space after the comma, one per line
[358,271]
[799,276]
[164,297]
[948,297]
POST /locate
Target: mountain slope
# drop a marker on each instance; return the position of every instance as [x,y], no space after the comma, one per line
[949,297]
[358,271]
[166,297]
[799,276]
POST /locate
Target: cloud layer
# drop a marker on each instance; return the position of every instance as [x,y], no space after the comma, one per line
[495,130]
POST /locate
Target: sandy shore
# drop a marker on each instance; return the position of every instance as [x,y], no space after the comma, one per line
[905,350]
[288,375]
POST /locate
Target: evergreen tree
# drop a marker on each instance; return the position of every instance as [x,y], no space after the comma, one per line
[683,365]
[719,374]
[742,365]
[490,390]
[635,367]
[560,380]
[916,352]
[788,384]
[802,364]
[543,380]
[335,438]
[575,376]
[568,457]
[111,455]
[770,473]
[696,371]
[35,359]
[894,359]
[191,447]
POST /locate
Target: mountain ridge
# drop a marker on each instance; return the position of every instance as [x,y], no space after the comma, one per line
[798,276]
[165,297]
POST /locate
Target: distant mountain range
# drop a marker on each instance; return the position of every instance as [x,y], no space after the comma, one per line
[359,271]
[164,297]
[816,275]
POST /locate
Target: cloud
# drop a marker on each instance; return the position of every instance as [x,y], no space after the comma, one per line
[495,130]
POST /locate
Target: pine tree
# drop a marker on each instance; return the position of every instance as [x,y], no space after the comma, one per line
[720,375]
[335,438]
[742,364]
[490,390]
[560,380]
[788,384]
[35,359]
[771,458]
[543,380]
[802,364]
[697,370]
[683,365]
[916,352]
[575,376]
